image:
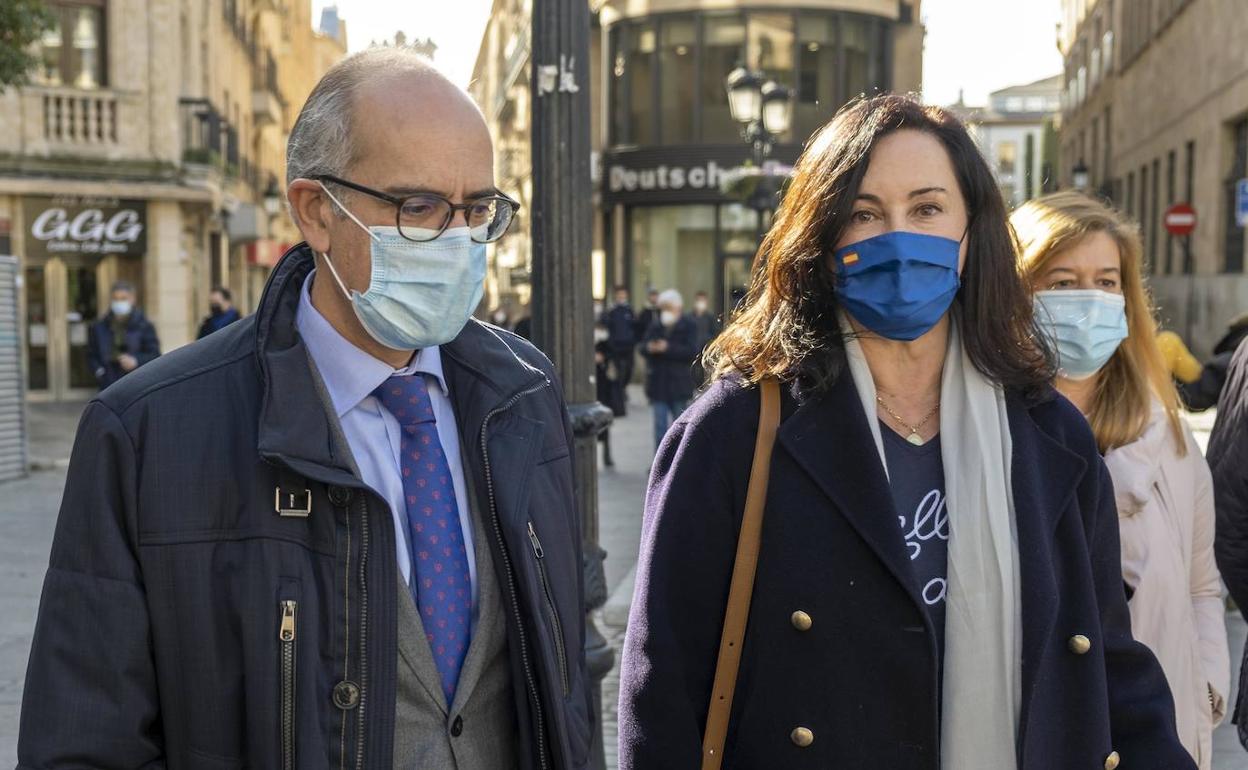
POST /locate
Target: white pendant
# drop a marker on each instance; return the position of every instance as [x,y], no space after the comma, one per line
[915,438]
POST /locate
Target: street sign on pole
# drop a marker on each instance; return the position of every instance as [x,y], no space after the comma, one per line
[1241,202]
[1180,219]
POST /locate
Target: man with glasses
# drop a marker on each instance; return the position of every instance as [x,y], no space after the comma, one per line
[340,532]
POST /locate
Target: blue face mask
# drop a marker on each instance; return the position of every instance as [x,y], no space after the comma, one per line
[899,284]
[1086,326]
[421,293]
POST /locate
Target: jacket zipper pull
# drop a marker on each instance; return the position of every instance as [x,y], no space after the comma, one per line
[537,544]
[287,631]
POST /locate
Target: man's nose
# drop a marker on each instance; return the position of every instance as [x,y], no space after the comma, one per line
[458,219]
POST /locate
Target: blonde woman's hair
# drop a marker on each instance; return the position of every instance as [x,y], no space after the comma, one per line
[1137,372]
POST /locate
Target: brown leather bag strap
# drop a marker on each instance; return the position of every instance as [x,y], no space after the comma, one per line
[742,587]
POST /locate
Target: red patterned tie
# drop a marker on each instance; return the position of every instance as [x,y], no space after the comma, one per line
[440,581]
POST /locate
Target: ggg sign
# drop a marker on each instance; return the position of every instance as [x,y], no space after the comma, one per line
[88,226]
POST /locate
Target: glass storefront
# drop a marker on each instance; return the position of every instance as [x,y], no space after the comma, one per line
[666,82]
[693,248]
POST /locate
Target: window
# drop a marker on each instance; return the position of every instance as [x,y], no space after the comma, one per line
[1036,104]
[770,47]
[1154,214]
[1107,52]
[1082,85]
[1014,104]
[1144,231]
[1239,170]
[817,98]
[641,71]
[1007,157]
[1170,202]
[1131,193]
[677,69]
[723,39]
[71,53]
[858,44]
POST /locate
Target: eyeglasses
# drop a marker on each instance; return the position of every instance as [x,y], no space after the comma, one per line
[425,216]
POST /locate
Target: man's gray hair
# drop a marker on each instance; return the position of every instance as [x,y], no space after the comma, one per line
[321,140]
[671,297]
[125,286]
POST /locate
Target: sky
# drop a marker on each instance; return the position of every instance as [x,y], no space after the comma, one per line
[975,46]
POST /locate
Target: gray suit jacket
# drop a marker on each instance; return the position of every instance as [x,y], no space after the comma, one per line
[478,731]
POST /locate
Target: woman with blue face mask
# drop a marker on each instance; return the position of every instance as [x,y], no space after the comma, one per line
[937,581]
[1084,262]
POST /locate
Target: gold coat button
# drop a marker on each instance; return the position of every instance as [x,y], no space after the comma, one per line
[1080,644]
[1111,762]
[802,737]
[801,621]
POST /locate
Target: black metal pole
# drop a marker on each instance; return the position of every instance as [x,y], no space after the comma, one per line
[562,304]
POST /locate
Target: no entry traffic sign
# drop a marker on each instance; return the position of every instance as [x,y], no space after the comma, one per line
[1180,219]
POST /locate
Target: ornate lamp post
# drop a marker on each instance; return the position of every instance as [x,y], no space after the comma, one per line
[764,108]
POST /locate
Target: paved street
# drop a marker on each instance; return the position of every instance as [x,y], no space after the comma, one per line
[28,511]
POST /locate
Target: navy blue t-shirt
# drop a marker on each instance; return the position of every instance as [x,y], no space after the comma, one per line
[917,480]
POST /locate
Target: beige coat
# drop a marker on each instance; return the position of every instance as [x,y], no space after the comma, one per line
[1165,516]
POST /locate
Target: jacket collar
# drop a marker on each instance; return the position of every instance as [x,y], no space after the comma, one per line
[297,425]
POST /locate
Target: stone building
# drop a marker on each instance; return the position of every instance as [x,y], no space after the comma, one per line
[1155,107]
[664,140]
[144,148]
[1017,136]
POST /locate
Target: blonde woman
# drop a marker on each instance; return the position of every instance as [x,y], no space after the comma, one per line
[1083,261]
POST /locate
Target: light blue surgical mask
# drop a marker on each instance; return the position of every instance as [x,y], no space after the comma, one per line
[1086,326]
[421,293]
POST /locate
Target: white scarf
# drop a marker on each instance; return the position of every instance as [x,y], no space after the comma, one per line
[983,625]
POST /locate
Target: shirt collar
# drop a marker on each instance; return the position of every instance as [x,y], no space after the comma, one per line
[349,373]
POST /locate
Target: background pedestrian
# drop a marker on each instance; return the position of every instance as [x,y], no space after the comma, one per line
[221,312]
[669,346]
[122,340]
[622,336]
[1228,459]
[707,328]
[1084,263]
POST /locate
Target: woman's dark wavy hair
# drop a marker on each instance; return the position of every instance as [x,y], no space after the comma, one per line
[787,326]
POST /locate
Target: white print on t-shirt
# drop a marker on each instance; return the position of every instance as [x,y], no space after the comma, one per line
[931,519]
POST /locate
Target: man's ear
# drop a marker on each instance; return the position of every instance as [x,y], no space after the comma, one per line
[311,209]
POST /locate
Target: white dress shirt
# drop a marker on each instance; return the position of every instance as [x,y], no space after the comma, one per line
[350,376]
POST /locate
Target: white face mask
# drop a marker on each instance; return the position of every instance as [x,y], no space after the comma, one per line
[420,294]
[668,317]
[121,307]
[700,306]
[600,335]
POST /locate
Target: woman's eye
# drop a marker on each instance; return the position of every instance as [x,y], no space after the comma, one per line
[861,217]
[928,210]
[1109,283]
[1063,284]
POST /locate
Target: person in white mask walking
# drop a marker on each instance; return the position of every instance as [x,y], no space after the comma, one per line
[1084,263]
[669,346]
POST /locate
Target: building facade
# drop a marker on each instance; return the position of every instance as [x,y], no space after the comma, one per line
[1155,105]
[143,149]
[1017,135]
[667,152]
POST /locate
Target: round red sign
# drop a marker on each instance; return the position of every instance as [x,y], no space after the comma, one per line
[1180,219]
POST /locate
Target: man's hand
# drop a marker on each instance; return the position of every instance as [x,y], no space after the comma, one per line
[657,346]
[127,362]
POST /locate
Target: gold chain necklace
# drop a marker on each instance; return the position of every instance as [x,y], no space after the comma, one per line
[914,437]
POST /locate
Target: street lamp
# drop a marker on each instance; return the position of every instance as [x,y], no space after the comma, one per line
[1080,175]
[764,108]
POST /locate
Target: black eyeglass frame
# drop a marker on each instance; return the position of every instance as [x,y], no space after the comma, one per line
[398,201]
